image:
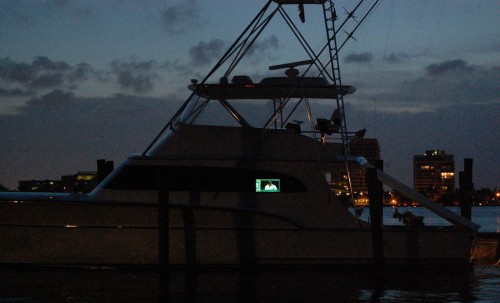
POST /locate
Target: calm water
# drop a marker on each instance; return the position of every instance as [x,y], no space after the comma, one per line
[478,284]
[487,216]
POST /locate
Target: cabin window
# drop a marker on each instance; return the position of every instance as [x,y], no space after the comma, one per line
[267,185]
[205,179]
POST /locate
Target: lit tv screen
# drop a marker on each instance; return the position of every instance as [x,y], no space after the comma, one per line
[267,185]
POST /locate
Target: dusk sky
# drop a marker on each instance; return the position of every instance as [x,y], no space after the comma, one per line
[87,80]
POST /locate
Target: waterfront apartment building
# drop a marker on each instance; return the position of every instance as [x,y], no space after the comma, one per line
[82,182]
[434,173]
[338,177]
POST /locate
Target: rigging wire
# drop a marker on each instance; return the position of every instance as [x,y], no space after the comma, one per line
[387,36]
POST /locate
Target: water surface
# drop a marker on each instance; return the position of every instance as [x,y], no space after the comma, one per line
[479,284]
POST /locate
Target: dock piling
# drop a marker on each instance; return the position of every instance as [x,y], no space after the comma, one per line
[163,239]
[466,189]
[375,196]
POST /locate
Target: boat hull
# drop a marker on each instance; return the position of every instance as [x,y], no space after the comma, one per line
[58,233]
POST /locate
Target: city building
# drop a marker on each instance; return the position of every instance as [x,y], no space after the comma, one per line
[434,173]
[81,182]
[368,148]
[40,186]
[338,178]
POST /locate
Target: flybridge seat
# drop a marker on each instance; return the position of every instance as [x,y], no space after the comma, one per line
[242,87]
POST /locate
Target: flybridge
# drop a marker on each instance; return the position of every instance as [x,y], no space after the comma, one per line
[272,88]
[319,79]
[286,92]
[291,86]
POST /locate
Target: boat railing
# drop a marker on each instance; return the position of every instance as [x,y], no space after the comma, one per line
[423,200]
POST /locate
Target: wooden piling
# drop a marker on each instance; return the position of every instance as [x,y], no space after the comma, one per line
[466,189]
[163,240]
[375,196]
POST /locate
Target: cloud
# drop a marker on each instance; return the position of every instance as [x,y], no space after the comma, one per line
[458,82]
[259,48]
[43,74]
[136,76]
[176,66]
[394,58]
[179,17]
[359,58]
[449,67]
[55,98]
[47,80]
[15,92]
[45,64]
[81,72]
[11,71]
[439,84]
[45,77]
[204,52]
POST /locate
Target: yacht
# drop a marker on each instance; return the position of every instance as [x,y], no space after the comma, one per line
[235,195]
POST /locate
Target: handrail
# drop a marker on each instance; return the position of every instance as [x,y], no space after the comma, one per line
[423,200]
